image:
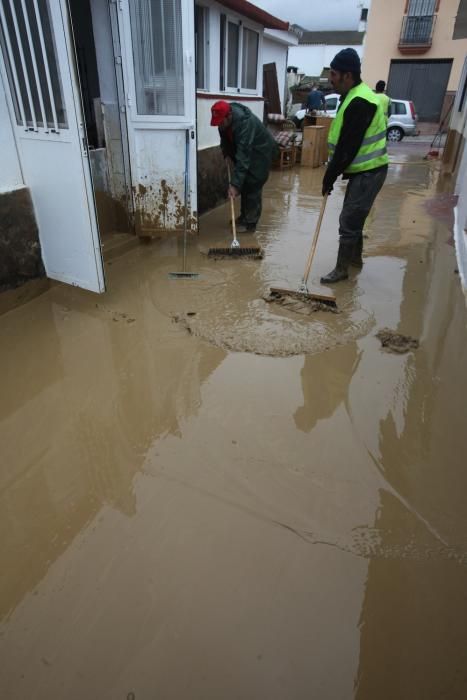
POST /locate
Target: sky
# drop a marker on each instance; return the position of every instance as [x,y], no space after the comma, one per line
[315,14]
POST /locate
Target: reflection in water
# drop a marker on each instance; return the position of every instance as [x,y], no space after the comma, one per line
[78,421]
[412,645]
[325,384]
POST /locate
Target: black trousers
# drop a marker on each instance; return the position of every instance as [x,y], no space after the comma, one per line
[251,204]
[362,190]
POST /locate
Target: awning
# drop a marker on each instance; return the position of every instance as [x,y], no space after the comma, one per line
[256,14]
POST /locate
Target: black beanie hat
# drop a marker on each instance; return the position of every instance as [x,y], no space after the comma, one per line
[347,60]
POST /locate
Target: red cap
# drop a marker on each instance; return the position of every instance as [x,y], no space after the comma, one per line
[219,111]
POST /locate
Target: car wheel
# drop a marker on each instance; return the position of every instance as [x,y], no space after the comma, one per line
[395,134]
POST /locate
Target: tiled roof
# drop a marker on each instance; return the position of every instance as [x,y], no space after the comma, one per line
[256,14]
[332,38]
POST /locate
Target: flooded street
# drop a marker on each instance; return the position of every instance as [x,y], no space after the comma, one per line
[270,506]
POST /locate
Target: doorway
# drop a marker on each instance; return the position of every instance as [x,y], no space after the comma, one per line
[424,82]
[43,97]
[98,60]
[136,69]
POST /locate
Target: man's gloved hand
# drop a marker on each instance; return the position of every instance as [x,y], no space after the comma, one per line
[328,183]
[233,191]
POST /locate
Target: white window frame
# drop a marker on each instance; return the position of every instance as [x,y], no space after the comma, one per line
[206,48]
[238,89]
[149,120]
[249,90]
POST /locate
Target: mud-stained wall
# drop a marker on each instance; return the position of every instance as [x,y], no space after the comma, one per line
[20,251]
[212,178]
[160,210]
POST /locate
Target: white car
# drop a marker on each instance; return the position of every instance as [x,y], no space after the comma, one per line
[402,121]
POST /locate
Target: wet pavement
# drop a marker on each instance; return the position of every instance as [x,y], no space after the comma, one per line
[271,506]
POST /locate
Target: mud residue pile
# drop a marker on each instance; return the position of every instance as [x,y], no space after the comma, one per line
[271,335]
[297,305]
[396,342]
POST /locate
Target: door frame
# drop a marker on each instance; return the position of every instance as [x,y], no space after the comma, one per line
[134,121]
[120,80]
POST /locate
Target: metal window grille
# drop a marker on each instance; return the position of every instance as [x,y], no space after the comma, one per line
[417,30]
[421,8]
[30,57]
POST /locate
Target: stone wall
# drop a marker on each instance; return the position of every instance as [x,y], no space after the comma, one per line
[212,179]
[20,251]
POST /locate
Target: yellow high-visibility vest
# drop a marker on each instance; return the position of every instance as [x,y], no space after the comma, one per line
[372,153]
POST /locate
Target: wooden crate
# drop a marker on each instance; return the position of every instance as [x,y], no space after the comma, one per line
[312,146]
[325,122]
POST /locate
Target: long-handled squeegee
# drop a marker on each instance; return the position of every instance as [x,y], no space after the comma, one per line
[184,275]
[302,292]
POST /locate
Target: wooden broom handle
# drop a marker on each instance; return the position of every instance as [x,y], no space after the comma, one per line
[311,255]
[232,208]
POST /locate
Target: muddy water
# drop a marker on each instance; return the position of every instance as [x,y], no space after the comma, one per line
[180,520]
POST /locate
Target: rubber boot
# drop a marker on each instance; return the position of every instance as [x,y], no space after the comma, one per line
[246,228]
[239,221]
[341,271]
[357,260]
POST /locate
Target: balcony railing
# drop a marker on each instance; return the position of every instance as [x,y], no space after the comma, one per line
[417,31]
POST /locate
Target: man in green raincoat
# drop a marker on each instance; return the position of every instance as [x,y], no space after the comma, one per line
[252,150]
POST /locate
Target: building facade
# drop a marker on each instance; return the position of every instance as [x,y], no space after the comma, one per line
[410,45]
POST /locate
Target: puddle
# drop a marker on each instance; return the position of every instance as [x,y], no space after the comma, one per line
[246,502]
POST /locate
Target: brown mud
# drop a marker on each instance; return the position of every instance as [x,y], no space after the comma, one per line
[112,214]
[396,342]
[159,210]
[180,519]
[302,306]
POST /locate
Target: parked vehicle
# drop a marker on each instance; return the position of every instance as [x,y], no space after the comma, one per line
[402,122]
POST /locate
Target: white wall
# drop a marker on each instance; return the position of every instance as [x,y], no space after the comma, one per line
[273,52]
[312,59]
[10,170]
[208,136]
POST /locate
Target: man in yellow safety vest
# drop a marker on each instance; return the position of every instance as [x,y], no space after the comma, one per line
[384,99]
[357,150]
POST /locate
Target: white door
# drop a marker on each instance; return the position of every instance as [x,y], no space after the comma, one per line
[39,68]
[159,69]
